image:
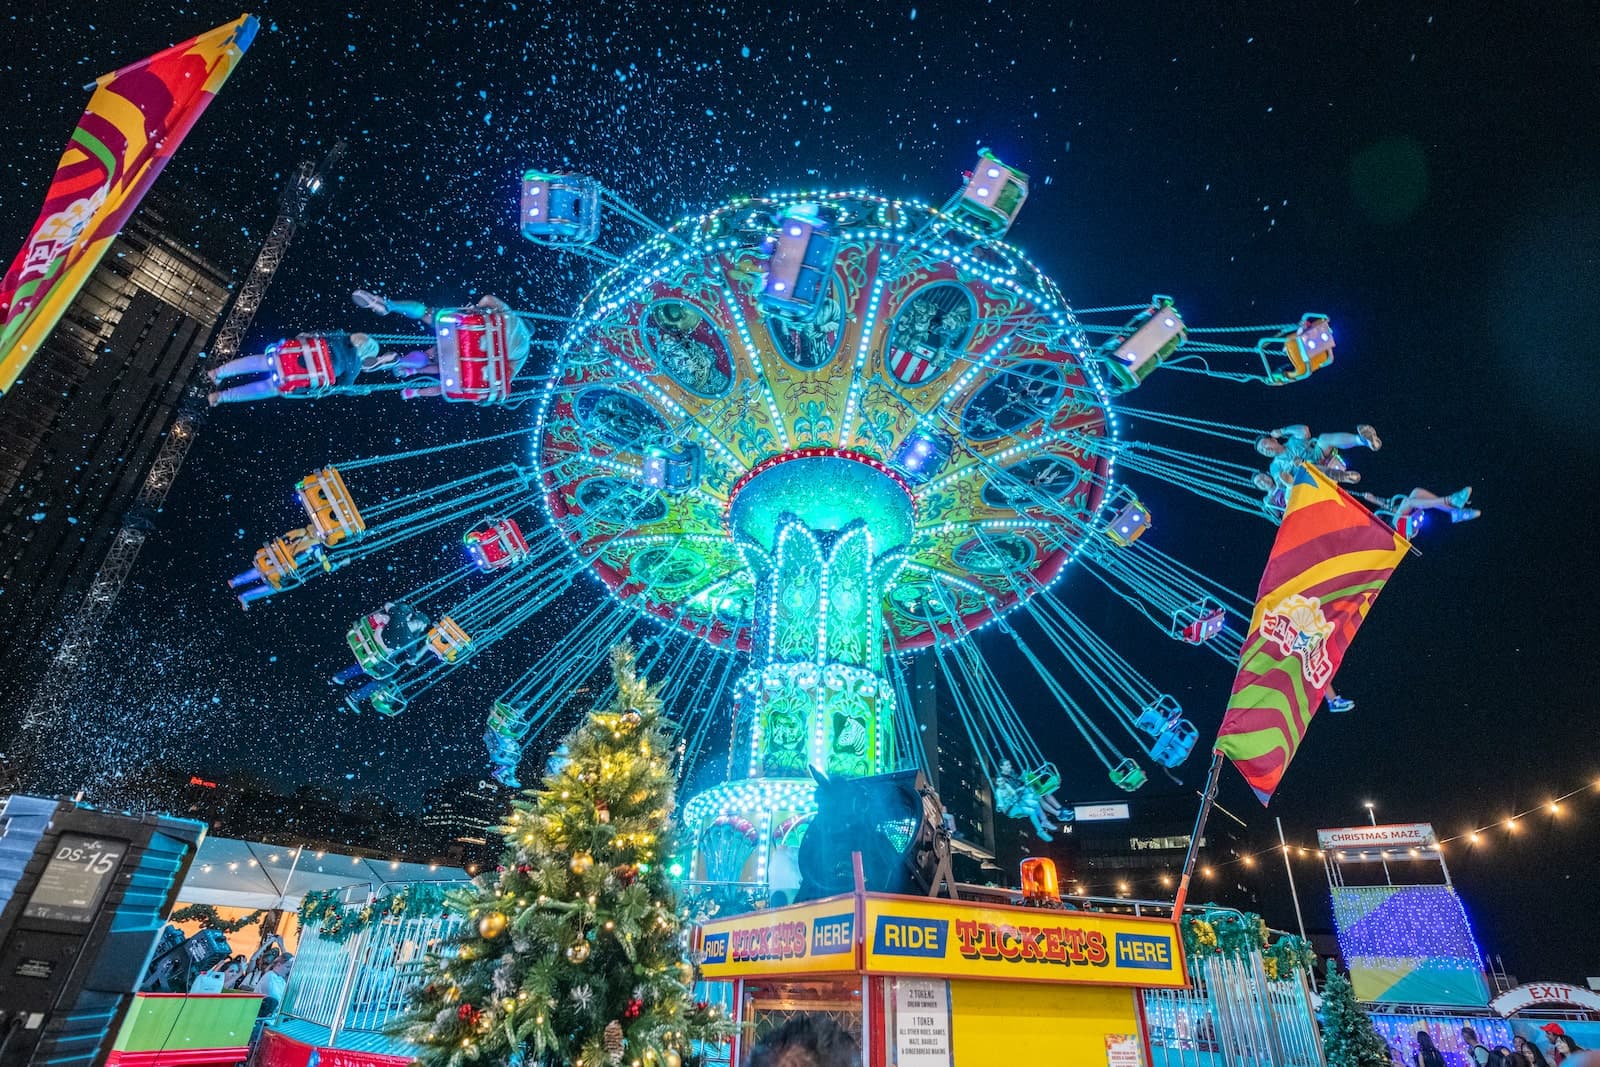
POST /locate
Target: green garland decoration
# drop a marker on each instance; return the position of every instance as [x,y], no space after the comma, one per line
[335,921]
[207,917]
[1224,932]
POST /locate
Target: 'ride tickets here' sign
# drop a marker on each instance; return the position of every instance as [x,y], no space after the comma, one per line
[807,939]
[956,940]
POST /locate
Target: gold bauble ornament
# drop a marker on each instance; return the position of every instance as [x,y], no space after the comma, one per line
[578,951]
[673,1059]
[686,972]
[492,925]
[632,717]
[581,862]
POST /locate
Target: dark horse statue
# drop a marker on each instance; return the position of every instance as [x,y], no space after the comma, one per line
[894,820]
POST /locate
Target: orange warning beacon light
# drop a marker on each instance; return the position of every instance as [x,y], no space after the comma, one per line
[1039,882]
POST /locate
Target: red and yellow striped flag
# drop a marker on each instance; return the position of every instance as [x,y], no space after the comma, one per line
[135,120]
[1327,566]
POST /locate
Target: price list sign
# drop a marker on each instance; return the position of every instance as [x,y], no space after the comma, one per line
[921,1023]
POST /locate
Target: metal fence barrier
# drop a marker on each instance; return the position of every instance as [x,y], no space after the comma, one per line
[1232,1016]
[362,984]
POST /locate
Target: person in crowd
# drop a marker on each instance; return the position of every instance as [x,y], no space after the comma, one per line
[1428,1054]
[1562,1046]
[1529,1052]
[1291,446]
[297,365]
[1397,508]
[809,1040]
[425,362]
[274,983]
[1477,1052]
[232,971]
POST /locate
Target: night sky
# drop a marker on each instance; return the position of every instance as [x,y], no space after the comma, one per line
[1426,176]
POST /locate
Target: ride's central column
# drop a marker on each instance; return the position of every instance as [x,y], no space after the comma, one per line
[823,534]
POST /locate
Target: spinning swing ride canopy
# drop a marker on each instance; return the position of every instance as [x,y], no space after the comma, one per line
[938,388]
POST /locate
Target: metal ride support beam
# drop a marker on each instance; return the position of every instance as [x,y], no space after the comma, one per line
[83,626]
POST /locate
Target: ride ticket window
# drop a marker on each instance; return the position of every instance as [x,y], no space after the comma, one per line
[76,879]
[768,1005]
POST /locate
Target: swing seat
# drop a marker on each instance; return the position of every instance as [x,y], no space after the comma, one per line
[448,640]
[1044,781]
[1199,622]
[1175,743]
[505,751]
[277,563]
[800,259]
[365,638]
[1150,337]
[674,470]
[1298,354]
[1158,714]
[1128,775]
[327,501]
[302,366]
[1129,524]
[1407,525]
[475,356]
[992,195]
[560,208]
[497,546]
[504,718]
[389,701]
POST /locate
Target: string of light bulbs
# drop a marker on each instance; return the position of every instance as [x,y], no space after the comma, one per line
[1123,885]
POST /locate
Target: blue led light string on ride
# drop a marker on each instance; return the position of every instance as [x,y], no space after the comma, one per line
[661,638]
[995,714]
[708,708]
[986,689]
[987,747]
[1081,312]
[1235,602]
[537,710]
[431,518]
[915,745]
[532,697]
[493,602]
[423,593]
[1060,638]
[511,473]
[1092,734]
[396,457]
[634,215]
[1273,329]
[1227,431]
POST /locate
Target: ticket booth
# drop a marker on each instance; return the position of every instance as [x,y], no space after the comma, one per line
[933,983]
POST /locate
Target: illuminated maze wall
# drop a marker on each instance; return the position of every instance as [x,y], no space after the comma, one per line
[1409,945]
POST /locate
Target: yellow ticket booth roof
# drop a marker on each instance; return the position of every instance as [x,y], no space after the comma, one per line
[876,934]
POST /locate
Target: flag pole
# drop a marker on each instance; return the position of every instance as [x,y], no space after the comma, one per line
[1289,870]
[1207,798]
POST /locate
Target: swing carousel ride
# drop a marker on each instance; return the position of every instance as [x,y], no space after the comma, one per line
[807,434]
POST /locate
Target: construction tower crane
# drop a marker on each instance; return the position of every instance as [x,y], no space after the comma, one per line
[83,626]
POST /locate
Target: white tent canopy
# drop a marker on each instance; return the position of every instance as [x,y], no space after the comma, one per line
[231,873]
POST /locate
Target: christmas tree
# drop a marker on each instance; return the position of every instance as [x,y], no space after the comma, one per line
[573,953]
[1348,1037]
